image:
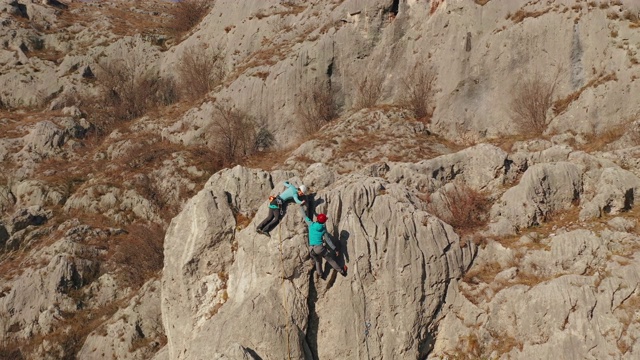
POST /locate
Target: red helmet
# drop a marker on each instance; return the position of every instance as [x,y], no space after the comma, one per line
[322,218]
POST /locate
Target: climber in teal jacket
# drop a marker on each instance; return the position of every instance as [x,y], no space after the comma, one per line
[318,237]
[276,206]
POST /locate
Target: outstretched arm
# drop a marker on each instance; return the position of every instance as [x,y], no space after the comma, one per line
[304,216]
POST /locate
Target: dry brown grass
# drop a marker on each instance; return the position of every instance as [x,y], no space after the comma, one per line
[137,255]
[561,105]
[150,19]
[464,208]
[597,142]
[522,14]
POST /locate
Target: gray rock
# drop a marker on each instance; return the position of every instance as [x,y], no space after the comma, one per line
[207,284]
[543,189]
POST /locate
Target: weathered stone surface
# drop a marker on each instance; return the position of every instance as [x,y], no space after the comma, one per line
[544,188]
[482,167]
[404,249]
[133,332]
[570,301]
[616,191]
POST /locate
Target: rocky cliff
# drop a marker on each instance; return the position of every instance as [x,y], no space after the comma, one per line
[476,160]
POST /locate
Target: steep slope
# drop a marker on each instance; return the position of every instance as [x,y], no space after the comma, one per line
[259,289]
[88,188]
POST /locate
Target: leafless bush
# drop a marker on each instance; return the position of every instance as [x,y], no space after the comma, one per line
[186,14]
[234,133]
[461,207]
[129,89]
[139,253]
[419,90]
[531,101]
[200,71]
[368,91]
[317,107]
[167,91]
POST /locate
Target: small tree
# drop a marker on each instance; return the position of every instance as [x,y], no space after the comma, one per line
[129,87]
[419,91]
[186,14]
[530,103]
[368,91]
[234,132]
[317,107]
[200,71]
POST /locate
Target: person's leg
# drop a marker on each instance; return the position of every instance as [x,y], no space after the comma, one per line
[266,220]
[275,218]
[330,258]
[318,260]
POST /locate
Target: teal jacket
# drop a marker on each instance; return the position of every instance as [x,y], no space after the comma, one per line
[317,232]
[290,193]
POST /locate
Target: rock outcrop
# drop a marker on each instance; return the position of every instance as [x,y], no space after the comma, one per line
[226,288]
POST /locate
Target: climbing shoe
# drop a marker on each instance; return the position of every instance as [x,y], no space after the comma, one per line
[344,271]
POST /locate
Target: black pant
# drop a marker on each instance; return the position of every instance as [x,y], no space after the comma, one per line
[318,252]
[271,221]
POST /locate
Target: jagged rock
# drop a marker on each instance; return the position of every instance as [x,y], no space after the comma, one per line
[246,189]
[544,188]
[482,167]
[574,303]
[622,224]
[31,216]
[121,205]
[133,332]
[616,191]
[44,139]
[7,200]
[65,265]
[389,245]
[318,176]
[35,192]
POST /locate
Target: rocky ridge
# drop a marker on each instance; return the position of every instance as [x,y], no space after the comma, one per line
[549,267]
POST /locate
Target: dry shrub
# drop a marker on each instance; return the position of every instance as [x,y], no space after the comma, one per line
[200,70]
[138,255]
[129,90]
[462,207]
[531,101]
[317,107]
[236,134]
[419,90]
[186,14]
[368,91]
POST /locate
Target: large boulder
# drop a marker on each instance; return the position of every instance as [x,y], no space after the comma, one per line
[400,260]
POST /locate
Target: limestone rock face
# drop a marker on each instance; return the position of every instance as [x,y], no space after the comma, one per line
[544,188]
[227,289]
[126,335]
[568,301]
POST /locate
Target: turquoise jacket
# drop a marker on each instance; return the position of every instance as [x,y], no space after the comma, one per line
[290,193]
[317,232]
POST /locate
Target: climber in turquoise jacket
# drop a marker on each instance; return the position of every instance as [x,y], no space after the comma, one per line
[276,206]
[318,238]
